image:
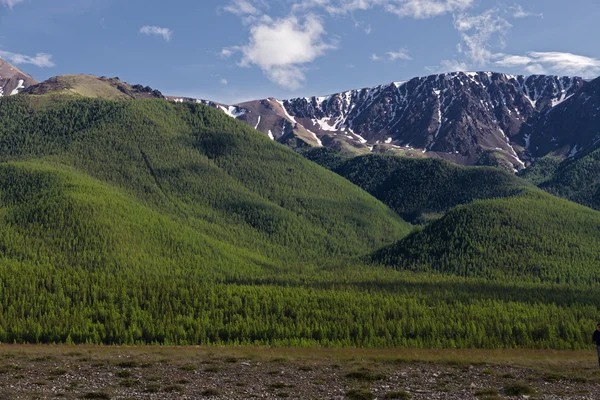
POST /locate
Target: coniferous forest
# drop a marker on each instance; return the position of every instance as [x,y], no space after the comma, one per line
[149,222]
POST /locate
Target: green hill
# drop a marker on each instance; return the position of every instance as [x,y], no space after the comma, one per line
[533,236]
[115,211]
[202,169]
[148,222]
[415,188]
[577,179]
[93,87]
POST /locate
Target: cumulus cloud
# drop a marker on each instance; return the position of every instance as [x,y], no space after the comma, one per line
[41,60]
[283,47]
[166,33]
[10,3]
[402,8]
[555,62]
[224,81]
[401,54]
[477,31]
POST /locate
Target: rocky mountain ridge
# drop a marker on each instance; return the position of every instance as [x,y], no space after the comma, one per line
[463,117]
[13,80]
[470,118]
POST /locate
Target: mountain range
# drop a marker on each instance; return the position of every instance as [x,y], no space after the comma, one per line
[469,118]
[130,217]
[478,118]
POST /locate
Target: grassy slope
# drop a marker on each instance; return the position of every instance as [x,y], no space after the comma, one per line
[530,236]
[417,187]
[84,85]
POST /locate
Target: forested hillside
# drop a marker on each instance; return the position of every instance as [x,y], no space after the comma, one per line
[203,170]
[577,179]
[125,222]
[532,236]
[415,188]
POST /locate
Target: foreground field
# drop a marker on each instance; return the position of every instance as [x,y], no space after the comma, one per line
[50,372]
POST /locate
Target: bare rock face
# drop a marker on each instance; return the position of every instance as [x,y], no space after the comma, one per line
[568,129]
[13,80]
[465,117]
[455,115]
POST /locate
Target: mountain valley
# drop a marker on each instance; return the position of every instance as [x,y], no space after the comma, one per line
[131,217]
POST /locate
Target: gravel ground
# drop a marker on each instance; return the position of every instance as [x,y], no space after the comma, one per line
[96,375]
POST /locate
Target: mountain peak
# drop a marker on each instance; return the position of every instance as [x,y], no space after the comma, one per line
[13,80]
[470,118]
[93,86]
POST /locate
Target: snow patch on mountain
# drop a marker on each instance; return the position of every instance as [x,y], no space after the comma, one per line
[233,111]
[19,86]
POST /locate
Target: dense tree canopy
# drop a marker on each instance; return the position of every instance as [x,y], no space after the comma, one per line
[150,222]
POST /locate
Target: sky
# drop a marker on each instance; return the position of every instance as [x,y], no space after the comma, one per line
[236,50]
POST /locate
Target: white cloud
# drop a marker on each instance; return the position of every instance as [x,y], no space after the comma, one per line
[41,60]
[554,62]
[402,8]
[448,66]
[536,69]
[454,65]
[505,60]
[241,8]
[518,11]
[477,31]
[224,81]
[401,54]
[10,3]
[166,33]
[282,48]
[421,9]
[228,51]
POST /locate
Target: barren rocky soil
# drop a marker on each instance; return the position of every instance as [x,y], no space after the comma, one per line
[35,372]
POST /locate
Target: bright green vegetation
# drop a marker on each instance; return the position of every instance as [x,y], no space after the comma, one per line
[150,222]
[415,188]
[100,198]
[190,164]
[534,236]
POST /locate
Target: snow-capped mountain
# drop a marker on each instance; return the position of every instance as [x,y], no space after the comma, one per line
[463,117]
[13,80]
[570,128]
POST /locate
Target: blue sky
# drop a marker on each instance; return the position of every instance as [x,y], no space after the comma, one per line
[236,50]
